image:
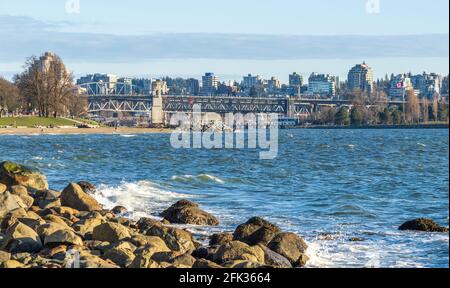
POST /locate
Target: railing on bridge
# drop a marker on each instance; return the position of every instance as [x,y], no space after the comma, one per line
[116,97]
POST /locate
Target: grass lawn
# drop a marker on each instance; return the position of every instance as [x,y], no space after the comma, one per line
[35,121]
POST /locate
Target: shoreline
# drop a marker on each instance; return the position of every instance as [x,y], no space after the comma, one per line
[386,127]
[84,131]
[132,130]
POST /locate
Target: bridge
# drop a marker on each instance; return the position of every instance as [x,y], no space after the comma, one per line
[125,98]
[115,98]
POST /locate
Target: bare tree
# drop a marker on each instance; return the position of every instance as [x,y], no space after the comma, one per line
[425,110]
[412,107]
[47,87]
[435,108]
[9,97]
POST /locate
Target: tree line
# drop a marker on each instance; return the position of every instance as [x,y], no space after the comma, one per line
[44,88]
[374,110]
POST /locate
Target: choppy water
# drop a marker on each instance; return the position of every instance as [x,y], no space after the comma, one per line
[327,185]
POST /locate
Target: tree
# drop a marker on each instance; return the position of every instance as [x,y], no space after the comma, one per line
[396,117]
[357,116]
[385,116]
[443,111]
[425,110]
[412,107]
[9,97]
[325,116]
[435,108]
[46,85]
[342,117]
[77,105]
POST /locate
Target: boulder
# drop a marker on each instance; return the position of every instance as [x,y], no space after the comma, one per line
[87,260]
[87,187]
[27,200]
[174,258]
[4,256]
[256,231]
[66,237]
[205,264]
[237,250]
[120,255]
[289,245]
[10,202]
[176,239]
[274,259]
[422,224]
[21,238]
[33,223]
[47,199]
[73,196]
[56,219]
[144,258]
[87,225]
[49,228]
[12,217]
[11,264]
[110,232]
[187,212]
[44,204]
[66,212]
[3,188]
[143,241]
[15,174]
[242,264]
[19,190]
[144,223]
[220,238]
[119,210]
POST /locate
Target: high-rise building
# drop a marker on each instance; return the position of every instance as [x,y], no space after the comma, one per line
[399,87]
[193,86]
[45,61]
[250,81]
[296,80]
[210,83]
[429,85]
[274,84]
[361,77]
[322,85]
[99,83]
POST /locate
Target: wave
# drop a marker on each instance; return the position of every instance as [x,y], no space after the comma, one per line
[199,178]
[142,199]
[127,135]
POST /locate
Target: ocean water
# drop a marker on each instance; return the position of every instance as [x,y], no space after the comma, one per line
[327,185]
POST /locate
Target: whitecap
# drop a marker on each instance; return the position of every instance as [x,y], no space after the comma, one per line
[421,144]
[142,199]
[128,135]
[198,178]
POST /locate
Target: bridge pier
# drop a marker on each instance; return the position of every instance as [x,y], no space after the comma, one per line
[157,109]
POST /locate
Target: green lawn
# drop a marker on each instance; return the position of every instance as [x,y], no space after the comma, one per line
[35,121]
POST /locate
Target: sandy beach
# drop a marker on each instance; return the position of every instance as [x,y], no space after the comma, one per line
[69,131]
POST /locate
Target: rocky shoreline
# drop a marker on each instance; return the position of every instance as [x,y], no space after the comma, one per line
[43,228]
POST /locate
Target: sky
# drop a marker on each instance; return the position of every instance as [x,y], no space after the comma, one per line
[179,37]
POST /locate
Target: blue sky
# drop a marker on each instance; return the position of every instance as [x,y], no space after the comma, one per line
[304,17]
[231,38]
